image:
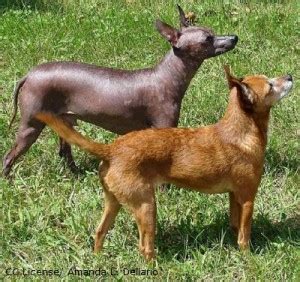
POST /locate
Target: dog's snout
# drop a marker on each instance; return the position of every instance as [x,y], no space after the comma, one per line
[234,38]
[289,78]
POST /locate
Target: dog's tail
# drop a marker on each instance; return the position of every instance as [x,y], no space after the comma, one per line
[16,94]
[71,136]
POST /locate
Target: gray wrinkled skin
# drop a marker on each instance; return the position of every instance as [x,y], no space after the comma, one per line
[117,100]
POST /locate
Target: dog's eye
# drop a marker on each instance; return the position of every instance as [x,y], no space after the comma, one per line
[271,86]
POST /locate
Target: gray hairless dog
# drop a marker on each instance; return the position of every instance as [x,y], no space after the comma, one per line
[117,100]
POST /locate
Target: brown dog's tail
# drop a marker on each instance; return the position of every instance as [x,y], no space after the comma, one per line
[73,137]
[16,94]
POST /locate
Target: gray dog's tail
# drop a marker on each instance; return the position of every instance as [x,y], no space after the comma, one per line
[16,95]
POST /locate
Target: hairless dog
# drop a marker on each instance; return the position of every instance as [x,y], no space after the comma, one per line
[117,100]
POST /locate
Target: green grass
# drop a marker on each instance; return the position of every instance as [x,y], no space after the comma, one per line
[49,215]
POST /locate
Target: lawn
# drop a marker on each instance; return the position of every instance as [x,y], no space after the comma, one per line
[50,215]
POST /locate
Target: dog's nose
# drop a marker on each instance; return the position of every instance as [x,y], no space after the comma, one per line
[234,38]
[289,77]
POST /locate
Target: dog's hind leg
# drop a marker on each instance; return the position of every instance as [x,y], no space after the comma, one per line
[65,150]
[135,192]
[66,153]
[145,216]
[27,134]
[111,209]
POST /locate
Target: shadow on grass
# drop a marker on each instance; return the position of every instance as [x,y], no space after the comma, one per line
[279,163]
[266,233]
[182,240]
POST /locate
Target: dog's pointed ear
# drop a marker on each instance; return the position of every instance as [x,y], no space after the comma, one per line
[183,20]
[243,89]
[168,32]
[230,78]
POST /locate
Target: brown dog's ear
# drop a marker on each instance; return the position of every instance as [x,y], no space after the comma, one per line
[168,32]
[243,89]
[246,94]
[184,22]
[230,78]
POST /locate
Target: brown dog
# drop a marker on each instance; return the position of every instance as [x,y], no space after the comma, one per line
[225,157]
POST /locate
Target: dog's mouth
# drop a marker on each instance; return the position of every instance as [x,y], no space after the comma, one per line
[280,88]
[287,87]
[224,44]
[282,85]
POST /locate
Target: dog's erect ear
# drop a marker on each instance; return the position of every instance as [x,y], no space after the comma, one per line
[168,32]
[183,20]
[243,89]
[230,78]
[246,94]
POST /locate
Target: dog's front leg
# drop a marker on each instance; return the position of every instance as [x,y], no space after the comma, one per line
[235,210]
[244,232]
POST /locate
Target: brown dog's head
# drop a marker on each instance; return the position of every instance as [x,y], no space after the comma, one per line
[258,93]
[196,43]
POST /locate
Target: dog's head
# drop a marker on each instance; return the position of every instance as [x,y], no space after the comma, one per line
[197,43]
[258,93]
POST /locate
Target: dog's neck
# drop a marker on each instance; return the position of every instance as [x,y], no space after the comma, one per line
[176,70]
[245,129]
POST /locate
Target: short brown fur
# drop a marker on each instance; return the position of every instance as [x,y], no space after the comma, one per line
[225,157]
